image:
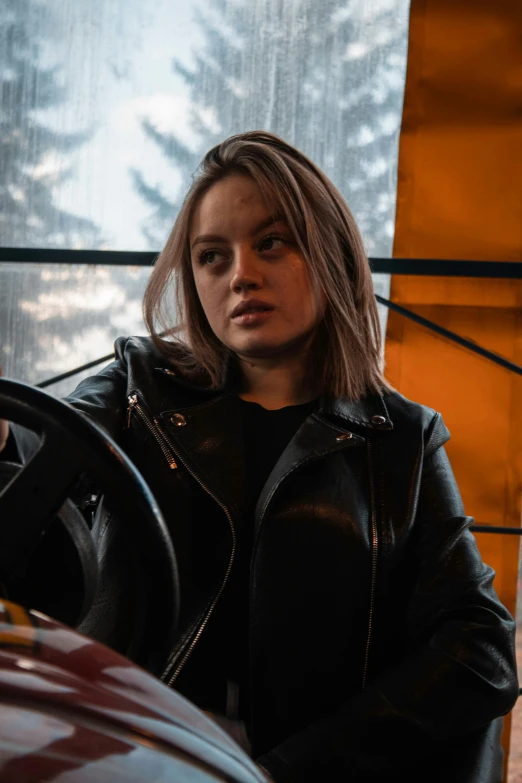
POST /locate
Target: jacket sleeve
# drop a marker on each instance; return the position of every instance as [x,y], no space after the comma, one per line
[461,673]
[100,397]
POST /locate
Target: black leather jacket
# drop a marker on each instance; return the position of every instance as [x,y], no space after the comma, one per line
[378,648]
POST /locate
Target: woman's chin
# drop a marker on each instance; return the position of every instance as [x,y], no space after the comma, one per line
[268,349]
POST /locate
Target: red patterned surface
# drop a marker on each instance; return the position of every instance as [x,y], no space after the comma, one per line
[71,706]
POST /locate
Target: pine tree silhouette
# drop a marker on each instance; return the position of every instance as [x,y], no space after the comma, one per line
[28,216]
[309,71]
[52,318]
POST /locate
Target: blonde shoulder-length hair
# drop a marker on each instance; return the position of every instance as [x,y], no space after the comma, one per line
[346,356]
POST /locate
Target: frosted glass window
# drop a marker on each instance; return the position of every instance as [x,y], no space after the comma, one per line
[56,317]
[107,108]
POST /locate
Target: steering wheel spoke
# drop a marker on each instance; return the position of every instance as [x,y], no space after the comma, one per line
[30,500]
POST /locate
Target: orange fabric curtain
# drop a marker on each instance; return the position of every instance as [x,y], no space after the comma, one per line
[460,197]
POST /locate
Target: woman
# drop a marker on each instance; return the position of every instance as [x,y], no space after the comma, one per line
[333,597]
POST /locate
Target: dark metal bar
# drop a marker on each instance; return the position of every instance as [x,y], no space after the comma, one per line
[456,338]
[70,373]
[508,531]
[440,268]
[21,255]
[395,266]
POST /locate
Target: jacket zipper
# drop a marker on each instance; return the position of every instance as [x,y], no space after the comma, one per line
[168,451]
[375,553]
[134,405]
[167,676]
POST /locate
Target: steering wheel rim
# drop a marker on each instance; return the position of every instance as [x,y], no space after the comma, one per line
[72,444]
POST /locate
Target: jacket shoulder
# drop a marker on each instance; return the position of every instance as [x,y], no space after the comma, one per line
[173,357]
[137,348]
[413,417]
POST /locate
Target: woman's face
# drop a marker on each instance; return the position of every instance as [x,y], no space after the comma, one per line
[252,280]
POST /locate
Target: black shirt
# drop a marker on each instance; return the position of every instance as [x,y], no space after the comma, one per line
[266,433]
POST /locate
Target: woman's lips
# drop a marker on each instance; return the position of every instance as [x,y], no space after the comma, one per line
[252,317]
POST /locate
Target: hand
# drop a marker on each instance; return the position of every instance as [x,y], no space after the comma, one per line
[4,427]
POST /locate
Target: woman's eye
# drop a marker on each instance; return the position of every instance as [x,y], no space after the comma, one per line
[208,257]
[270,243]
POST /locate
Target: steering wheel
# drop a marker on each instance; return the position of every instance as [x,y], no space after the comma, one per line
[36,496]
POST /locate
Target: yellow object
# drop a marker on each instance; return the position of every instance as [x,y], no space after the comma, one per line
[16,627]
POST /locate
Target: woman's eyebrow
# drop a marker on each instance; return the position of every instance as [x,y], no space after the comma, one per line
[269,221]
[208,238]
[265,223]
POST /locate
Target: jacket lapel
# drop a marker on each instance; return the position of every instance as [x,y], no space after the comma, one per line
[370,413]
[317,437]
[209,442]
[325,432]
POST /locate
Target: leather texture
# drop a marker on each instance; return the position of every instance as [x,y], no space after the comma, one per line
[379,650]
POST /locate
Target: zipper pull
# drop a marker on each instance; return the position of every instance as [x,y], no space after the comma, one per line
[133,401]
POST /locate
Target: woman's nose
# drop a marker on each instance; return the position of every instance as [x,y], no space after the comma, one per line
[246,271]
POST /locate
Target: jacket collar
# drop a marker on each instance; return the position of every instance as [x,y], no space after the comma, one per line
[210,443]
[370,412]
